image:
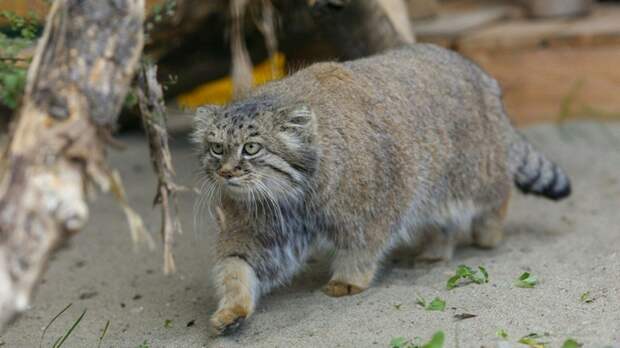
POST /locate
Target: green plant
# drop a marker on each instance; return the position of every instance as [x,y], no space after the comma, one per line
[502,334]
[526,280]
[479,276]
[52,322]
[586,298]
[103,332]
[27,26]
[436,341]
[12,84]
[437,304]
[61,340]
[571,343]
[13,65]
[534,340]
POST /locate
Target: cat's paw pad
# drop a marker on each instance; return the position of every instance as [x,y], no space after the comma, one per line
[337,288]
[227,320]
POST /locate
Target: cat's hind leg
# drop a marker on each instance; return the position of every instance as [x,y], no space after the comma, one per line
[488,229]
[437,246]
[353,271]
[357,260]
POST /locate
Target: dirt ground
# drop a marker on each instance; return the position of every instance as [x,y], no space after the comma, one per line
[571,246]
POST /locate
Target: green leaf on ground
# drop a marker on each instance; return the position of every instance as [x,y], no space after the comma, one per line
[501,333]
[526,280]
[453,281]
[571,343]
[436,304]
[167,323]
[534,340]
[399,342]
[485,274]
[420,301]
[586,298]
[479,276]
[436,341]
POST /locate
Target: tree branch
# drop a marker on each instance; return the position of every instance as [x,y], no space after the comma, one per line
[153,110]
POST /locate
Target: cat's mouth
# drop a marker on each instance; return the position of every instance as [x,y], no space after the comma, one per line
[235,187]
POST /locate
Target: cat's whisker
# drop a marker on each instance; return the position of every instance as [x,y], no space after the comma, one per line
[272,203]
[198,206]
[204,210]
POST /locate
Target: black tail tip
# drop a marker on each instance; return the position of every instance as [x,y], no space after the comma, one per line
[550,192]
[557,195]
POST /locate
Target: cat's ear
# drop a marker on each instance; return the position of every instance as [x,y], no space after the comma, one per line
[202,119]
[298,126]
[300,117]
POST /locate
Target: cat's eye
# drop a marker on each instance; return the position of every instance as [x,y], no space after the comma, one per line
[216,148]
[251,149]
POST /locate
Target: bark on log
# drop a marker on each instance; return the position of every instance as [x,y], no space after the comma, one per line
[77,82]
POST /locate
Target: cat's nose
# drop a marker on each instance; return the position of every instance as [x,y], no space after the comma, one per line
[229,170]
[225,173]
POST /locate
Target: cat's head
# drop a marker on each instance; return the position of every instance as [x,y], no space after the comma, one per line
[256,149]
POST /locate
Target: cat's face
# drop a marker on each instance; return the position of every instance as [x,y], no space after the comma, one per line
[253,150]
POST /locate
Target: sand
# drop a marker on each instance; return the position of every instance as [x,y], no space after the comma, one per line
[571,246]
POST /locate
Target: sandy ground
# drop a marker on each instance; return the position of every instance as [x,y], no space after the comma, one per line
[571,246]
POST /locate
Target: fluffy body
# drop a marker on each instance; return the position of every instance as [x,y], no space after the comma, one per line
[412,146]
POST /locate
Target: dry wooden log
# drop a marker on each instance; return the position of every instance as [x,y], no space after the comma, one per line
[77,82]
[350,29]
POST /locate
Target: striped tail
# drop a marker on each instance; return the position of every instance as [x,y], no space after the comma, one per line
[534,173]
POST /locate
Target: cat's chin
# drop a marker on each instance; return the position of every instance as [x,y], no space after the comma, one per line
[237,192]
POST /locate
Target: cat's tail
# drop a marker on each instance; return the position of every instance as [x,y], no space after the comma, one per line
[534,173]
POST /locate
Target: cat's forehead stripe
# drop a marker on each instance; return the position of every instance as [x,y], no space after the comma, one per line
[247,110]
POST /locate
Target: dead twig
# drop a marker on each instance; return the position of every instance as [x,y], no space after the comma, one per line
[153,110]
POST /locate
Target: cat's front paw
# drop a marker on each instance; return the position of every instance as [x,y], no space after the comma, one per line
[336,288]
[227,320]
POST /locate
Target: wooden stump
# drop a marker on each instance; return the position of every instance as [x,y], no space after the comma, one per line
[77,82]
